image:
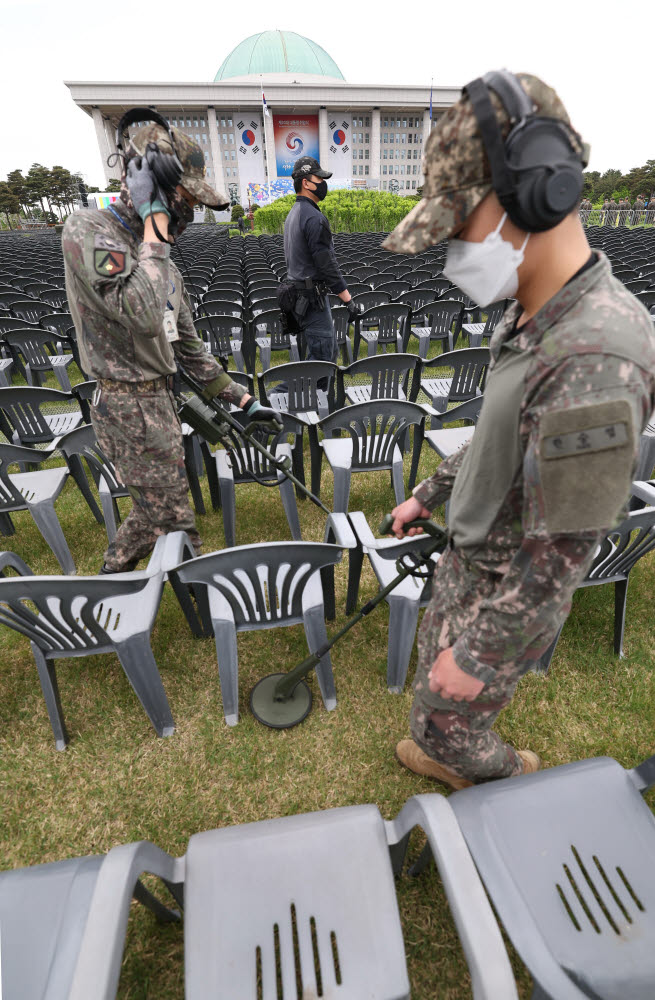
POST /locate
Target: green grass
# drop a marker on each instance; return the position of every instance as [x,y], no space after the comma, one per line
[118,782]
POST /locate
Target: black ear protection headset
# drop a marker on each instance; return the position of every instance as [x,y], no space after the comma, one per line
[537,171]
[166,167]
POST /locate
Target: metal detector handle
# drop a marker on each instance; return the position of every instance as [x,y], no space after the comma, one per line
[428,526]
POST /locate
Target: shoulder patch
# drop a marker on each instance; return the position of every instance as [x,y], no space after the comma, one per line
[109,263]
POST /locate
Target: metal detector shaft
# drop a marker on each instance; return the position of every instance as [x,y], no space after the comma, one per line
[287,684]
[227,418]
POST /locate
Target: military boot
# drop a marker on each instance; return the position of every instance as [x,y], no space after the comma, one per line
[410,755]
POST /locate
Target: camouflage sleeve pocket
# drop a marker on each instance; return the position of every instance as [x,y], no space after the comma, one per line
[584,461]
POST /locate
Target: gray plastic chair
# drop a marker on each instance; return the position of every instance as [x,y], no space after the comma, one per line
[617,554]
[64,924]
[390,321]
[78,447]
[96,614]
[445,322]
[376,431]
[35,492]
[342,322]
[646,462]
[384,376]
[268,585]
[566,856]
[34,349]
[469,366]
[218,334]
[31,416]
[477,332]
[447,440]
[270,335]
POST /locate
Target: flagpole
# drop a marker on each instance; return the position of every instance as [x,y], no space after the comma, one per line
[265,114]
[431,86]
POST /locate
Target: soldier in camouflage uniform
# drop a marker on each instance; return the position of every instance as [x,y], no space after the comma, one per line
[639,208]
[604,219]
[570,387]
[133,323]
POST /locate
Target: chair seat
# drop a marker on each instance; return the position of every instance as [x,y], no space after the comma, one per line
[448,440]
[61,423]
[420,331]
[339,453]
[362,394]
[289,342]
[46,484]
[235,345]
[567,857]
[306,900]
[436,386]
[473,327]
[280,401]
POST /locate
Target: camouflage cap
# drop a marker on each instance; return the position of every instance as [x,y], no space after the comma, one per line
[457,171]
[191,157]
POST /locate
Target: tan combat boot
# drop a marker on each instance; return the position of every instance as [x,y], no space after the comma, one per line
[531,761]
[410,755]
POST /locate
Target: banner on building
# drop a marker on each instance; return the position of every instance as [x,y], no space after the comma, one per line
[339,151]
[295,135]
[249,137]
[284,185]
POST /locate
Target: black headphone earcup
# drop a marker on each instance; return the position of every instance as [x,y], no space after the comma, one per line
[166,167]
[548,174]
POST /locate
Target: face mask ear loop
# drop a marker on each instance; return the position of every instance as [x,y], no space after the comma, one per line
[525,242]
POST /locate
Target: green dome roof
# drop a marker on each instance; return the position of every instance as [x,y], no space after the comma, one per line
[278,52]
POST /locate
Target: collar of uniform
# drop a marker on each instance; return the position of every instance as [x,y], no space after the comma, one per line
[302,197]
[131,218]
[550,313]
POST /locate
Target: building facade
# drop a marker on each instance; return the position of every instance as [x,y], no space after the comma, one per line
[369,136]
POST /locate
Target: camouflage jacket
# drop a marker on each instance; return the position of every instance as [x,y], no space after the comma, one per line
[118,290]
[549,467]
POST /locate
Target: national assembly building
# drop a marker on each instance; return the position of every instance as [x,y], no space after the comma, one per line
[369,135]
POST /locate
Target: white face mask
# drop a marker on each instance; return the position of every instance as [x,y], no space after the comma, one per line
[485,271]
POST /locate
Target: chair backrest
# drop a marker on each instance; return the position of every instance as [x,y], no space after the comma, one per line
[441,316]
[371,298]
[389,374]
[219,331]
[261,585]
[270,322]
[469,370]
[30,309]
[395,288]
[495,313]
[375,428]
[60,323]
[247,462]
[390,319]
[21,408]
[73,614]
[264,305]
[10,497]
[624,545]
[34,346]
[301,378]
[82,441]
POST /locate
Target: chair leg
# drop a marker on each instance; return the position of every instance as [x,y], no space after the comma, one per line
[237,354]
[293,351]
[62,377]
[141,670]
[403,619]
[542,664]
[423,344]
[316,633]
[192,475]
[355,562]
[398,482]
[341,490]
[50,688]
[6,525]
[228,668]
[228,503]
[265,355]
[212,476]
[620,604]
[538,993]
[109,511]
[48,524]
[316,460]
[371,348]
[290,507]
[77,472]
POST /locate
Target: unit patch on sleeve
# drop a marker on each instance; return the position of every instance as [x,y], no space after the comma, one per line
[109,263]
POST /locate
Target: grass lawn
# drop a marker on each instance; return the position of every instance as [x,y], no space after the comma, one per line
[118,782]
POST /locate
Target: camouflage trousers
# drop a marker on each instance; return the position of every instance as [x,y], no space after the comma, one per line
[140,433]
[458,734]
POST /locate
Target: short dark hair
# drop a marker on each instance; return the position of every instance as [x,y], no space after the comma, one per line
[297,183]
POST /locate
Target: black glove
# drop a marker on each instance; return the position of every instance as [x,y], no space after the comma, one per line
[354,308]
[263,415]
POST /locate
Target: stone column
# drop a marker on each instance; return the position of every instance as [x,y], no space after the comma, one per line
[375,147]
[427,128]
[269,152]
[218,176]
[117,168]
[323,137]
[101,136]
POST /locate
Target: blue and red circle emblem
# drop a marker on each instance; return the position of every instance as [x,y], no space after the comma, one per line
[248,137]
[339,137]
[295,143]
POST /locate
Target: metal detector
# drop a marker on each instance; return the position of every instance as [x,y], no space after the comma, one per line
[214,421]
[284,700]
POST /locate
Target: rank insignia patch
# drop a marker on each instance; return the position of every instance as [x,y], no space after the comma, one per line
[109,262]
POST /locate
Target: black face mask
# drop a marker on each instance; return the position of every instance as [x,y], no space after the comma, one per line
[321,190]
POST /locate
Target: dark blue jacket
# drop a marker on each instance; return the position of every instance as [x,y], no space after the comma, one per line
[308,246]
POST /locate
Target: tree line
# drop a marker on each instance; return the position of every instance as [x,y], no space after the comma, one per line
[614,184]
[42,194]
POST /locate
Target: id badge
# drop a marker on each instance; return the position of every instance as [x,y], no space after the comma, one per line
[170,327]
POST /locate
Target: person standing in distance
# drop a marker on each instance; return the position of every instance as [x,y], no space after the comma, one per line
[311,261]
[133,323]
[569,390]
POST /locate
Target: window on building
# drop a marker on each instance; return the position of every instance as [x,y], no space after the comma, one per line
[384,168]
[386,123]
[402,168]
[227,171]
[174,123]
[354,169]
[403,138]
[222,123]
[361,170]
[188,123]
[410,138]
[366,169]
[233,154]
[367,136]
[204,138]
[195,123]
[366,154]
[386,137]
[392,137]
[224,137]
[229,123]
[397,122]
[226,154]
[413,185]
[384,154]
[209,171]
[404,123]
[198,137]
[231,137]
[206,155]
[396,169]
[367,122]
[202,123]
[361,154]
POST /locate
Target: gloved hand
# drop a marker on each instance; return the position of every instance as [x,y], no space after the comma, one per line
[141,185]
[264,415]
[354,309]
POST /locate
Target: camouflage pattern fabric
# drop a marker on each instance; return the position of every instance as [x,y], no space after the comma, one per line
[118,289]
[500,603]
[457,171]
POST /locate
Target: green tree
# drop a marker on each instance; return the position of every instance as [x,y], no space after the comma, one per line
[237,213]
[209,216]
[9,203]
[114,186]
[16,182]
[38,183]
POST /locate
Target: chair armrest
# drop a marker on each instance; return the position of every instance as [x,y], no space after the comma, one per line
[478,931]
[644,491]
[339,531]
[99,961]
[11,559]
[169,551]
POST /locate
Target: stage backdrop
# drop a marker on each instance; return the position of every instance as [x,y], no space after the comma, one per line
[295,135]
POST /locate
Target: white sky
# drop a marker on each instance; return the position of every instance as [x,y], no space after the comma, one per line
[601,68]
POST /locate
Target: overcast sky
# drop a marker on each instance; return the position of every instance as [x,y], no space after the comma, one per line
[600,66]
